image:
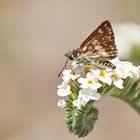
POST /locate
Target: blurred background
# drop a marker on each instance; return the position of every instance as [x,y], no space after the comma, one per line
[34,35]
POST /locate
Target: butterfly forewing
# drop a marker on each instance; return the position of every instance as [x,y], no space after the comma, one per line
[99,45]
[97,49]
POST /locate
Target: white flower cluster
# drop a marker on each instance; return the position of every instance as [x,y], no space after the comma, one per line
[90,79]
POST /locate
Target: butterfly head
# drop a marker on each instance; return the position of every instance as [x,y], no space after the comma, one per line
[69,55]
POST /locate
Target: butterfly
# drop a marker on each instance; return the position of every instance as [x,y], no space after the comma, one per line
[97,49]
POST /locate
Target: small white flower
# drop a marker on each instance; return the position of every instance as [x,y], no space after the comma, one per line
[61,103]
[136,72]
[74,64]
[89,94]
[133,70]
[88,68]
[126,69]
[70,74]
[89,81]
[79,102]
[117,81]
[64,89]
[81,68]
[103,76]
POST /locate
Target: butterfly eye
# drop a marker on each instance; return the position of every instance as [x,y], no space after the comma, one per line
[69,55]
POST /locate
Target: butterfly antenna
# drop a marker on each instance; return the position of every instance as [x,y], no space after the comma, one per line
[63,68]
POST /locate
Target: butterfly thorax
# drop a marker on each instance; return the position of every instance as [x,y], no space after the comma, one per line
[75,55]
[79,57]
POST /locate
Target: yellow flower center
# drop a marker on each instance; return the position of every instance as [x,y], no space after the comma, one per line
[73,72]
[90,81]
[81,105]
[87,68]
[115,75]
[70,81]
[102,73]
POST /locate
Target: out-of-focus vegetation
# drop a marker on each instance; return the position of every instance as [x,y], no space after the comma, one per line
[127,37]
[135,55]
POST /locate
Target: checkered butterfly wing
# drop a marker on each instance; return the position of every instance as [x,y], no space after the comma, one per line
[100,44]
[98,48]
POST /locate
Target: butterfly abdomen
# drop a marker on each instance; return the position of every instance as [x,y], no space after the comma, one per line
[106,64]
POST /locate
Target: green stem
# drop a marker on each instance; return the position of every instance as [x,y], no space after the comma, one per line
[130,94]
[135,105]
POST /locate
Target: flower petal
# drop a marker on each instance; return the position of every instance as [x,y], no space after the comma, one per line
[61,103]
[63,90]
[119,83]
[81,80]
[96,85]
[96,96]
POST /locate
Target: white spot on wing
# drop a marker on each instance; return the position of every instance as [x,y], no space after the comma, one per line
[94,42]
[84,48]
[97,47]
[100,31]
[104,54]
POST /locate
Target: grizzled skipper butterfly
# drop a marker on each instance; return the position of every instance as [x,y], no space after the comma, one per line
[97,49]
